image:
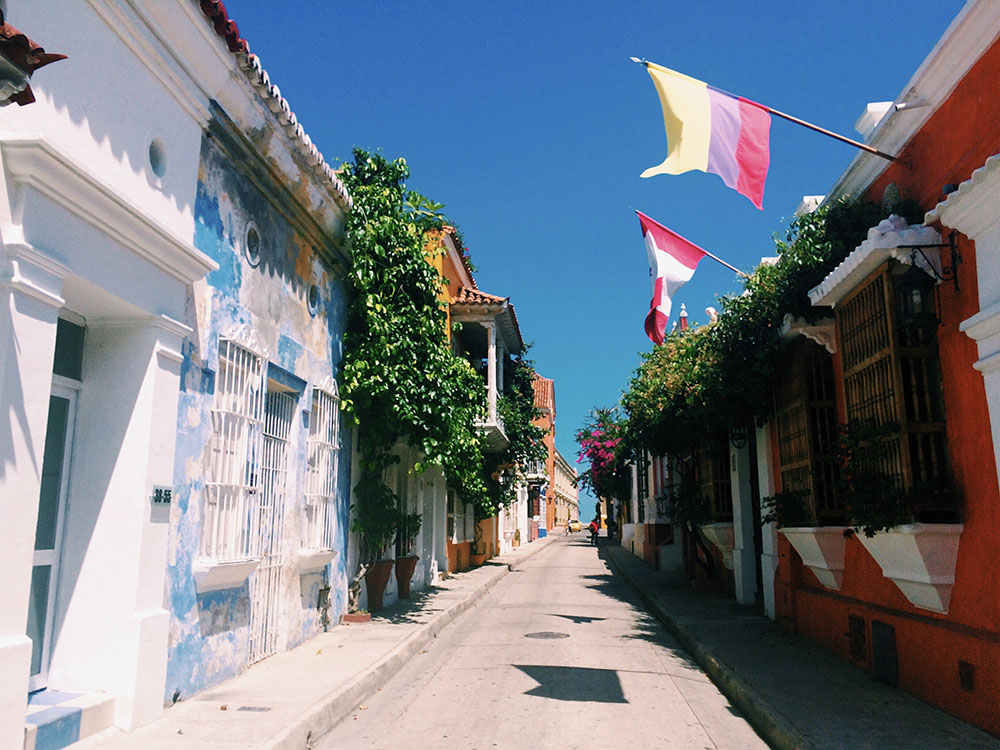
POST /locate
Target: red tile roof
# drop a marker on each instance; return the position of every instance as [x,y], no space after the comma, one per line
[467,296]
[228,31]
[26,54]
[545,392]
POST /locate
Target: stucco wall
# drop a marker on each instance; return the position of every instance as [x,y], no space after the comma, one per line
[209,632]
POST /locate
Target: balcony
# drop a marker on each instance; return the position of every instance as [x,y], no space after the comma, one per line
[488,337]
[534,472]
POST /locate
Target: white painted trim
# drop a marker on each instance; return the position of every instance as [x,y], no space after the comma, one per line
[972,208]
[884,241]
[32,273]
[314,560]
[722,536]
[213,576]
[822,549]
[455,255]
[30,160]
[920,559]
[150,52]
[974,29]
[822,331]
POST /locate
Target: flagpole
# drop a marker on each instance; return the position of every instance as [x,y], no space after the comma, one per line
[790,118]
[720,260]
[716,258]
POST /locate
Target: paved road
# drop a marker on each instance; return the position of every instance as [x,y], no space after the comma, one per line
[558,655]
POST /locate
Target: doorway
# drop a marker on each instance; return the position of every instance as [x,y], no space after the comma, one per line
[265,585]
[49,527]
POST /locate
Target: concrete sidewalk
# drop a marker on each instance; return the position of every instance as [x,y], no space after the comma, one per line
[795,693]
[291,699]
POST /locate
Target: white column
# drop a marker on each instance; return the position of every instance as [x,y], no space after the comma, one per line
[744,553]
[491,369]
[30,287]
[972,211]
[769,533]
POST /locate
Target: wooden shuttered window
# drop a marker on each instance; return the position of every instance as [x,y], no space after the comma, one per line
[806,419]
[714,477]
[892,378]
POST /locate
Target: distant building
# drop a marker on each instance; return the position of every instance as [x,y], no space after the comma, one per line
[565,492]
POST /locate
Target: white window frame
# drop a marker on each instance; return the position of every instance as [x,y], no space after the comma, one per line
[322,469]
[231,505]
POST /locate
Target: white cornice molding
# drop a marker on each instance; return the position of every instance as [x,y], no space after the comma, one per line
[973,208]
[822,331]
[454,255]
[30,160]
[149,50]
[972,32]
[26,270]
[884,241]
[241,87]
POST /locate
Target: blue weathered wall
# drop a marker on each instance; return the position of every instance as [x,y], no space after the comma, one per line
[209,632]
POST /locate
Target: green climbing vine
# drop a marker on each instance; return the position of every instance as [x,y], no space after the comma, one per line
[401,381]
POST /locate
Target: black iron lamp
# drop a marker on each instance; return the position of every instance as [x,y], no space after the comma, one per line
[917,307]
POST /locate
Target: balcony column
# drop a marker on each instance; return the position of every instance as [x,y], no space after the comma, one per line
[491,368]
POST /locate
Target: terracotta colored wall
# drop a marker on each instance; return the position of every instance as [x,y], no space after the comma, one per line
[952,144]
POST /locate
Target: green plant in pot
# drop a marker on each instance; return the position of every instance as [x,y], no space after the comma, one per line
[376,519]
[477,553]
[406,563]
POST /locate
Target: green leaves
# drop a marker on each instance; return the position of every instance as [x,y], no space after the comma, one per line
[722,374]
[400,381]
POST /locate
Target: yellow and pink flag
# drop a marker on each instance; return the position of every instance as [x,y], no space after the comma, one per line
[712,131]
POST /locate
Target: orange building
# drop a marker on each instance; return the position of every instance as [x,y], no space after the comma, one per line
[542,496]
[917,605]
[488,335]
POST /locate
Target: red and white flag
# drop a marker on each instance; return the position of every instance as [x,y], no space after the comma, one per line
[672,261]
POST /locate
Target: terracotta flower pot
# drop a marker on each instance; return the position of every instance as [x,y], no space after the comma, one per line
[376,577]
[404,572]
[476,560]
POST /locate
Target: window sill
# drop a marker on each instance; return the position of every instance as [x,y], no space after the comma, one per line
[822,549]
[920,559]
[217,576]
[314,560]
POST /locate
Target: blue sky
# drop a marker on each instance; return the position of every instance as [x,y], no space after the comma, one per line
[529,122]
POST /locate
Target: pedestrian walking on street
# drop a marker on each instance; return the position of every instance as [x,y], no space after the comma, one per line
[593,532]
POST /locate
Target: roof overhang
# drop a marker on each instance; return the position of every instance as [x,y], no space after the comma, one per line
[969,35]
[892,238]
[972,208]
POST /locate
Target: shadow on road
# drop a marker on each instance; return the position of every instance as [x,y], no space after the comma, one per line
[574,683]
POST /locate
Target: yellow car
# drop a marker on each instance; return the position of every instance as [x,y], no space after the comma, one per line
[574,526]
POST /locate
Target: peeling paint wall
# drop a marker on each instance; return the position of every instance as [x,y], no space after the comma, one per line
[209,632]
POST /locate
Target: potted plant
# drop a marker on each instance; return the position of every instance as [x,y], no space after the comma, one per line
[477,554]
[406,563]
[376,518]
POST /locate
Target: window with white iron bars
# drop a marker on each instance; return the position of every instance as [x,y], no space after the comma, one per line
[323,450]
[232,497]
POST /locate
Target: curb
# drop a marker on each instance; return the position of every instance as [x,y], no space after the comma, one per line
[322,717]
[774,728]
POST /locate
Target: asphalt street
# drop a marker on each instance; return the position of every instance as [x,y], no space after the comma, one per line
[559,654]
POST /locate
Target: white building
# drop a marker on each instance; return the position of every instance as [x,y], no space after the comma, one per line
[120,295]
